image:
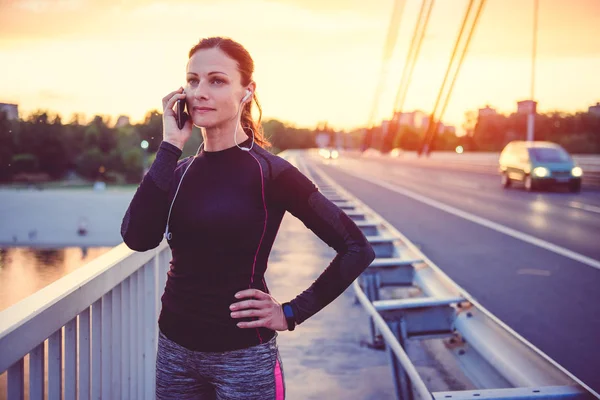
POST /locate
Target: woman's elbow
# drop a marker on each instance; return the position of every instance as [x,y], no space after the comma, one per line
[362,256]
[136,244]
[367,255]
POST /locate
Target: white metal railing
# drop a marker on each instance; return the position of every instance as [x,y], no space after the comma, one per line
[96,329]
[496,359]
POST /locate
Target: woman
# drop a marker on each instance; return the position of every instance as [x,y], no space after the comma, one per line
[222,209]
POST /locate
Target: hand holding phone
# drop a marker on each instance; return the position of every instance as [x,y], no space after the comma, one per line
[176,127]
[180,115]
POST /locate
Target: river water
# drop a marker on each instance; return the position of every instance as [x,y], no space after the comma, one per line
[25,270]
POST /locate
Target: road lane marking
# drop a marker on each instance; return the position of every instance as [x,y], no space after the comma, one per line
[482,221]
[586,207]
[531,271]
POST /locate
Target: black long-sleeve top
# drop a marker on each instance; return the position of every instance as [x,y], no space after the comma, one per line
[223,223]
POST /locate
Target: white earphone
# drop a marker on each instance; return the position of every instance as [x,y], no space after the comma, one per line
[247,96]
[168,234]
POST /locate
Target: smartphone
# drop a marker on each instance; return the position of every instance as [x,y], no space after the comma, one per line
[180,115]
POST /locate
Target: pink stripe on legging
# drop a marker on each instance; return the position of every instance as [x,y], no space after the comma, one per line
[279,390]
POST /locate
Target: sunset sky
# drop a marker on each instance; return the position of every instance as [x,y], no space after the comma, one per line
[316,60]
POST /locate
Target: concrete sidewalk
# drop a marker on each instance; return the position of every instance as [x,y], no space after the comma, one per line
[324,358]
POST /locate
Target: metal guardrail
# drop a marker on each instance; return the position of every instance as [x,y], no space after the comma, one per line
[496,361]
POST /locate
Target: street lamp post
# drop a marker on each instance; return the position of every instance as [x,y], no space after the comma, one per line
[532,110]
[144,145]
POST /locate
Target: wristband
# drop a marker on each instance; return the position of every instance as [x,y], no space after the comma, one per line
[288,311]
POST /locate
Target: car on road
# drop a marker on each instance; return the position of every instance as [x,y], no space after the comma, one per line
[538,164]
[329,153]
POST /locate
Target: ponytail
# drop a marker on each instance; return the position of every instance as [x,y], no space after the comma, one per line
[251,127]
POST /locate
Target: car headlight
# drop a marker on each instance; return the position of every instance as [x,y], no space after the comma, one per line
[541,172]
[577,172]
[334,154]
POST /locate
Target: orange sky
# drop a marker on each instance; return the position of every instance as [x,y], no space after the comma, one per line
[315,60]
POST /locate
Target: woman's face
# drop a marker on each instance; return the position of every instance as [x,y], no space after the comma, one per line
[213,89]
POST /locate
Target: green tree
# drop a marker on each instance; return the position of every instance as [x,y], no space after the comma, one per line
[7,147]
[409,138]
[89,163]
[132,164]
[490,132]
[52,154]
[285,137]
[41,135]
[74,138]
[104,137]
[446,141]
[151,130]
[24,163]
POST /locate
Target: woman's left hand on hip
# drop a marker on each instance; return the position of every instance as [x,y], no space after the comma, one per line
[261,305]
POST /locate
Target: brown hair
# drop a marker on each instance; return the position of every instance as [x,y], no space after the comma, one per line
[246,68]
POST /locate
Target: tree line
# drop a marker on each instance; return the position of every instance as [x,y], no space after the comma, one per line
[578,133]
[42,148]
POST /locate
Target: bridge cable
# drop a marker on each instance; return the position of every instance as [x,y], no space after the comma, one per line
[409,65]
[388,50]
[434,121]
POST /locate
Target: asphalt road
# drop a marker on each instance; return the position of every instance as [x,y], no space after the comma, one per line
[529,258]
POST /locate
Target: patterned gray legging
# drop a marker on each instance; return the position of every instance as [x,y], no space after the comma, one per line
[252,373]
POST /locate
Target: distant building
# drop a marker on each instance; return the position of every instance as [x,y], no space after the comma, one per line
[595,110]
[11,110]
[526,107]
[423,121]
[123,120]
[487,111]
[385,125]
[489,128]
[415,119]
[405,119]
[441,127]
